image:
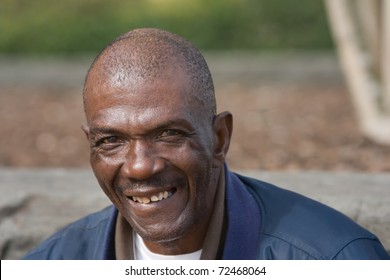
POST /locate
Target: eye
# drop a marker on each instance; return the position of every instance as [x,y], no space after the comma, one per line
[168,133]
[106,141]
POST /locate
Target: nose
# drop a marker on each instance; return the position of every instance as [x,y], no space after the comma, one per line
[142,161]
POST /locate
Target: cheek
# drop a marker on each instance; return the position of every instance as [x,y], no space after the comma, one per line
[105,170]
[196,163]
[193,159]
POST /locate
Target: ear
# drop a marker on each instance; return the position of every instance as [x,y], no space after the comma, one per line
[85,128]
[222,129]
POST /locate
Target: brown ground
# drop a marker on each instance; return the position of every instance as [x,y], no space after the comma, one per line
[276,128]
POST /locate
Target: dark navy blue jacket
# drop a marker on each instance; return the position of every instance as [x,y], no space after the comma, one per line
[263,222]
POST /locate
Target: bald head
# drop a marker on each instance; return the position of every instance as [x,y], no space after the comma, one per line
[143,55]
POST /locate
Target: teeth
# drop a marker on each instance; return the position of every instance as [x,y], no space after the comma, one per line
[153,198]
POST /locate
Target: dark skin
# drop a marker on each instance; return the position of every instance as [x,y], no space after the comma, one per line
[149,139]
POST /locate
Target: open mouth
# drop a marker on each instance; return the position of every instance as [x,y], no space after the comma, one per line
[153,198]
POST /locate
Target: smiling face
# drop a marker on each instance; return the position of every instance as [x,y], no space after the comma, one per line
[157,154]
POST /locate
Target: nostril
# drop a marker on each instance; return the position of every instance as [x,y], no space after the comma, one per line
[142,167]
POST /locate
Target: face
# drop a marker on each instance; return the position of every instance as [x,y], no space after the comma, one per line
[155,155]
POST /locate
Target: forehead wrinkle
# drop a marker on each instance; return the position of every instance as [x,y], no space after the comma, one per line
[150,93]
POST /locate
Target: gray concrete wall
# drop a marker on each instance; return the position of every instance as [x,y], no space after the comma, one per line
[35,203]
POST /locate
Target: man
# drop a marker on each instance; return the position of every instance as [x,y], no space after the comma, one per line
[158,151]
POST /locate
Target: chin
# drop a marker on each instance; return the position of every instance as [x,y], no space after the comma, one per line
[164,233]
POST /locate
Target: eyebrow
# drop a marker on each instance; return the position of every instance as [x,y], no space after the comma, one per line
[160,126]
[102,130]
[171,123]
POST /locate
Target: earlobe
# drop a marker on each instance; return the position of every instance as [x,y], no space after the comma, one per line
[222,128]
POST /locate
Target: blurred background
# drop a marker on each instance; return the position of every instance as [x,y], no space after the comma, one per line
[305,90]
[274,63]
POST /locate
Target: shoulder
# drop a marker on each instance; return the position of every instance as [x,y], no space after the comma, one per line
[294,226]
[82,239]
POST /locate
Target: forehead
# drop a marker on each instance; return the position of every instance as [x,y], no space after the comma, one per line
[138,102]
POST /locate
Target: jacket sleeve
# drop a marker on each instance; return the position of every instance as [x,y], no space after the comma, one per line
[89,238]
[297,227]
[363,249]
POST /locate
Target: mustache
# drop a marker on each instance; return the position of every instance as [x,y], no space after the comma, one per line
[157,181]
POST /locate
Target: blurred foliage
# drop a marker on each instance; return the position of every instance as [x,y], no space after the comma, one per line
[73,26]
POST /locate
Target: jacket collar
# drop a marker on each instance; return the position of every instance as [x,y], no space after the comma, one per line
[243,220]
[108,244]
